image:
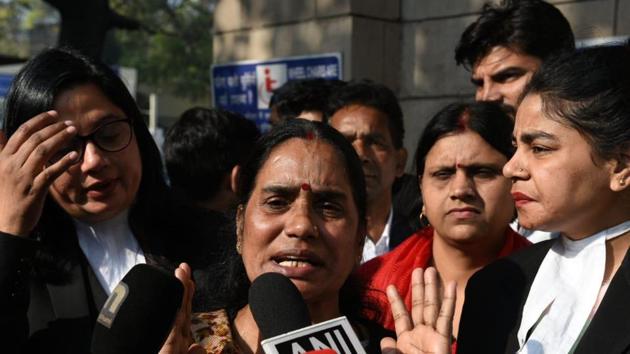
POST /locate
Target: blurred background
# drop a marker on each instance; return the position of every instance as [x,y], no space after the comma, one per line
[175,54]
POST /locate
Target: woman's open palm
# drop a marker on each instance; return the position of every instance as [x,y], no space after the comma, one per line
[429,328]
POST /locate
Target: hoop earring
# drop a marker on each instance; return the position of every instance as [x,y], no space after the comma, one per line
[424,221]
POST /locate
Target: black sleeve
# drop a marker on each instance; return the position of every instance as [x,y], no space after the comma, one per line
[370,334]
[16,254]
[492,309]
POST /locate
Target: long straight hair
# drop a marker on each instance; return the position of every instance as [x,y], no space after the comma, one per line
[33,91]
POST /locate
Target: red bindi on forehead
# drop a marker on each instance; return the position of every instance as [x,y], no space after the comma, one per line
[306,187]
[464,120]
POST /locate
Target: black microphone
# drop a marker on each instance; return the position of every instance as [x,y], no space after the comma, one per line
[285,325]
[139,314]
[277,305]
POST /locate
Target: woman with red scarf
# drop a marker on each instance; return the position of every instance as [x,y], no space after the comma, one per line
[467,202]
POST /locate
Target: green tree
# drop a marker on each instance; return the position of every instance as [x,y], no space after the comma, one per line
[85,24]
[17,18]
[169,42]
[173,49]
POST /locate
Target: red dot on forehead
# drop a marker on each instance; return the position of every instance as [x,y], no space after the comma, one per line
[310,136]
[306,187]
[464,120]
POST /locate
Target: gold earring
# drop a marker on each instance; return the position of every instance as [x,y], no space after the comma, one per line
[423,219]
[239,247]
[622,181]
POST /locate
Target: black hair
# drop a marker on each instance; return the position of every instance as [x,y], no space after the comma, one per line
[374,95]
[531,27]
[490,120]
[297,96]
[303,129]
[589,90]
[233,293]
[202,147]
[34,90]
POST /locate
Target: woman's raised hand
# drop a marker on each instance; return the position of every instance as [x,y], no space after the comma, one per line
[180,339]
[25,171]
[429,328]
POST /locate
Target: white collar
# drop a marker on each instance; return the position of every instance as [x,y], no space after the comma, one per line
[372,249]
[564,292]
[110,248]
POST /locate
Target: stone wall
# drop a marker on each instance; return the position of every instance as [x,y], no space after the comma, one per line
[406,44]
[431,29]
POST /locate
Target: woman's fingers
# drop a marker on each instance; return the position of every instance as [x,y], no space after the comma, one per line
[24,187]
[196,349]
[185,276]
[444,324]
[174,343]
[27,129]
[184,273]
[171,345]
[188,309]
[388,346]
[417,296]
[39,152]
[179,340]
[431,297]
[49,174]
[402,322]
[43,145]
[431,329]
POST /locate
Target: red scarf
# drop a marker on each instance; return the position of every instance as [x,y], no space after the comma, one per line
[396,266]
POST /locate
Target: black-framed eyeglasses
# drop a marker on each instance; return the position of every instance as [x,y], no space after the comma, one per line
[112,136]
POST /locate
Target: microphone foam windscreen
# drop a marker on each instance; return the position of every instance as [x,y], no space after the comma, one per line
[277,305]
[138,315]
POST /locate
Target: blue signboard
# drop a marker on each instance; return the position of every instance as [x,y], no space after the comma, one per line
[5,84]
[246,87]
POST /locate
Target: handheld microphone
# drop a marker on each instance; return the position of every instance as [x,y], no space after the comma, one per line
[139,314]
[277,305]
[284,322]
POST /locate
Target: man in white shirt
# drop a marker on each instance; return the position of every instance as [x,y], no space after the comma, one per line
[369,116]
